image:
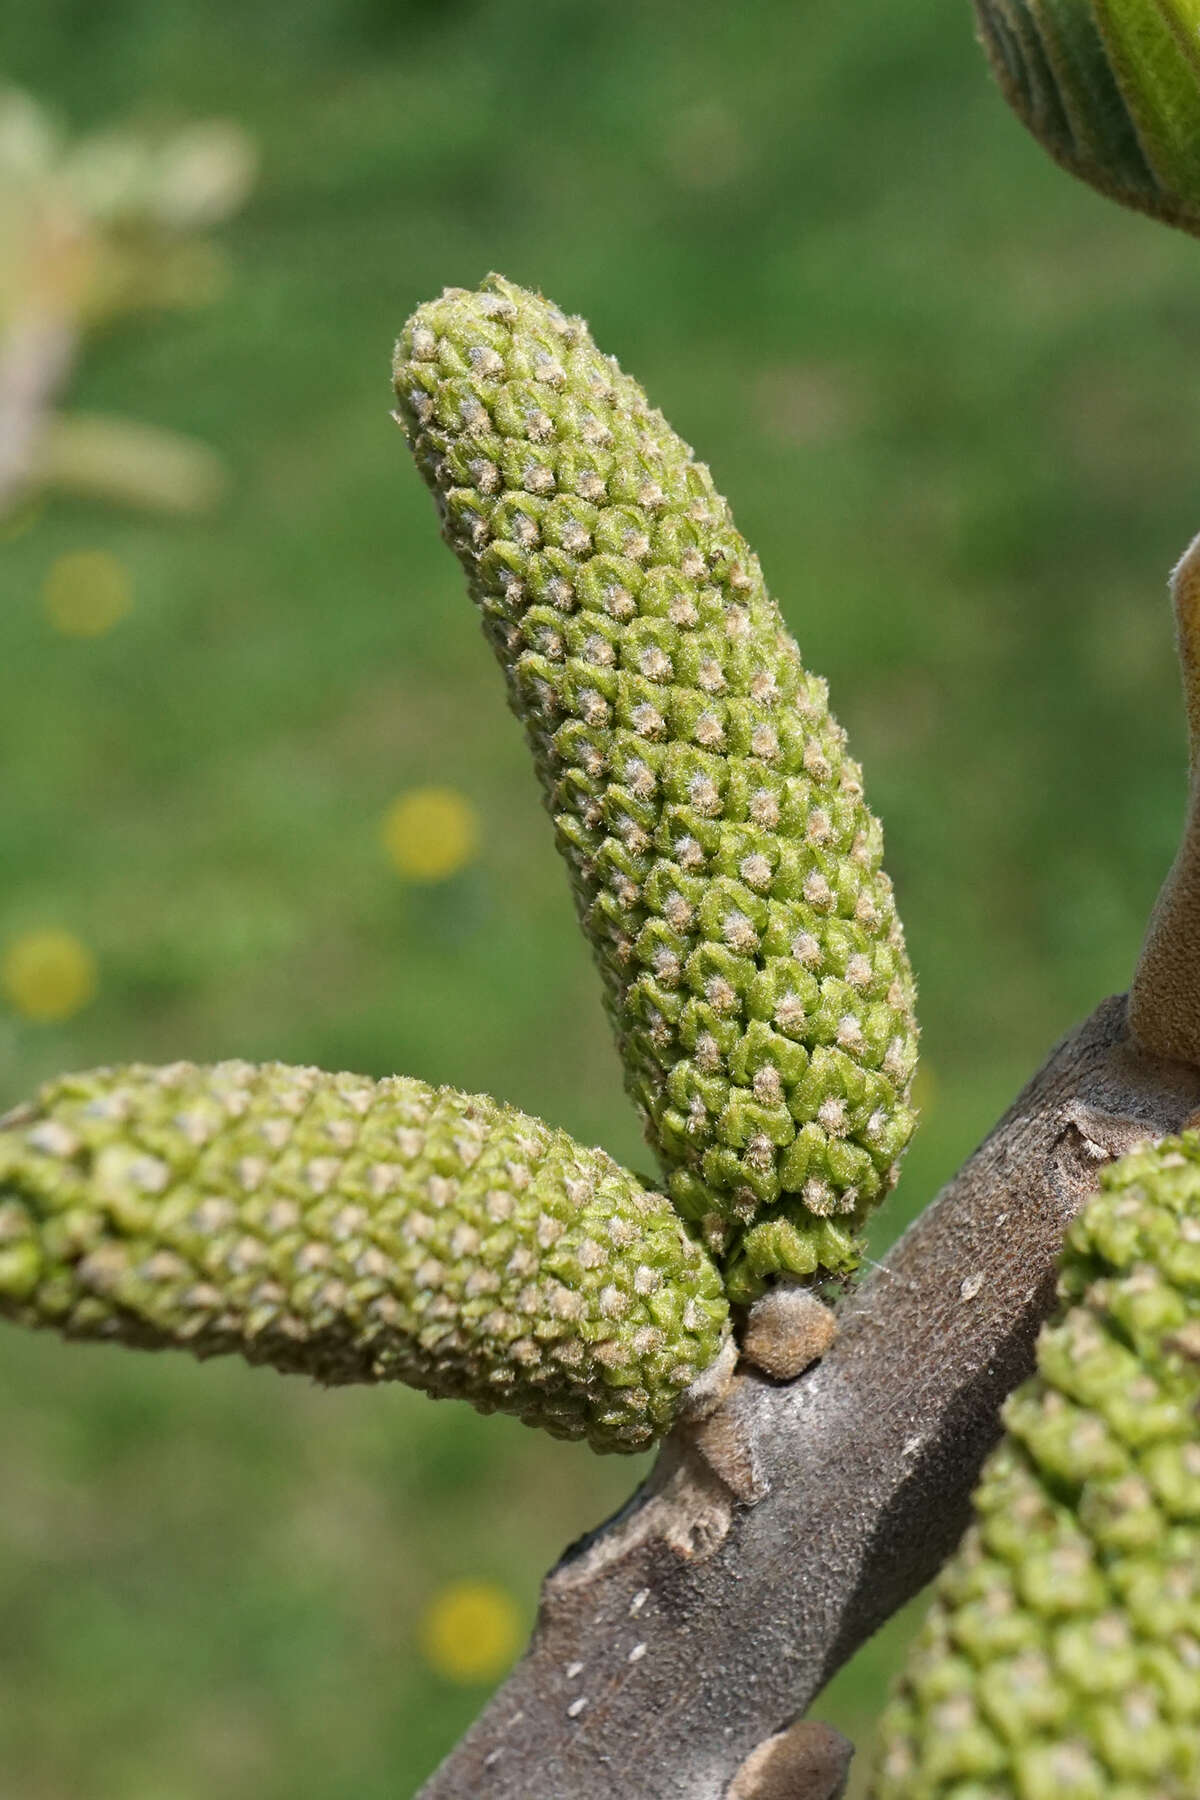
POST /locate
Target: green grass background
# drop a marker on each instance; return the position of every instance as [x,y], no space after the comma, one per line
[947,391]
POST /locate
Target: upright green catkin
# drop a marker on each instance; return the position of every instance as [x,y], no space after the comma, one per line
[356,1231]
[1061,1658]
[725,866]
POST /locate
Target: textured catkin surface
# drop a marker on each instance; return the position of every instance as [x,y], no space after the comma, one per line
[358,1231]
[725,866]
[1061,1657]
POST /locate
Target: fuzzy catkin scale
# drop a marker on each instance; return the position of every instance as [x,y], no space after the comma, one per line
[356,1231]
[1061,1657]
[725,866]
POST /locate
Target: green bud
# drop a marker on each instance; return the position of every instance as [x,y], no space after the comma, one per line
[725,866]
[1111,88]
[1064,1637]
[356,1231]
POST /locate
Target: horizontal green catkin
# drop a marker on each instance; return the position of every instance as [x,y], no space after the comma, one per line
[1061,1657]
[1111,88]
[725,866]
[356,1231]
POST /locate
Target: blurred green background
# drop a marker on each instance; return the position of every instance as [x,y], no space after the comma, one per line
[946,390]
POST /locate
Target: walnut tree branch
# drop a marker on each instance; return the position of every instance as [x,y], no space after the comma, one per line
[703,1619]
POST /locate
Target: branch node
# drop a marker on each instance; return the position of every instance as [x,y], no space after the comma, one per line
[725,1446]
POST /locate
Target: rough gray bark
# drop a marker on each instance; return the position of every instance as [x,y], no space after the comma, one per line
[771,1541]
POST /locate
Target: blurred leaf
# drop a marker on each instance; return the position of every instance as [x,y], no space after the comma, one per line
[129,464]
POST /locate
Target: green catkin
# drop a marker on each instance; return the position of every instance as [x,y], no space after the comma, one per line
[725,866]
[356,1231]
[1111,88]
[1061,1657]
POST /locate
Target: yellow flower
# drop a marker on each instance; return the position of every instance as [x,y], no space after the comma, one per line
[471,1632]
[430,833]
[86,593]
[48,975]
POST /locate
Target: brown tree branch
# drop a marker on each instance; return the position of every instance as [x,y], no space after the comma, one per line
[674,1644]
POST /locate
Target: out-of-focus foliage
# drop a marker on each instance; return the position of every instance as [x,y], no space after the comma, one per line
[93,228]
[107,223]
[945,389]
